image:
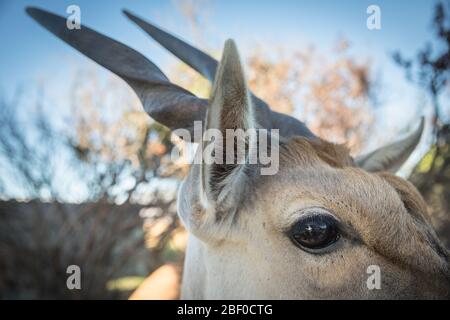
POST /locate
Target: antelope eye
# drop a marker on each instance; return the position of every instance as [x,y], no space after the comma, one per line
[314,232]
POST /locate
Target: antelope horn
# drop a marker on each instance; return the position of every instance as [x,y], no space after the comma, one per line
[164,101]
[207,66]
[196,59]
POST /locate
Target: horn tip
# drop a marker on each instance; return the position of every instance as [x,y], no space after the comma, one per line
[421,126]
[130,15]
[39,15]
[32,11]
[127,13]
[422,121]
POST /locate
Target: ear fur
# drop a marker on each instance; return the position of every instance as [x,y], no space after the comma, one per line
[223,170]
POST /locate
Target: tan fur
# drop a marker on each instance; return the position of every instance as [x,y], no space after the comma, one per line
[239,247]
[336,155]
[418,235]
[256,260]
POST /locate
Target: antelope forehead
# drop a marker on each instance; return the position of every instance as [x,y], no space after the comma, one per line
[299,151]
[350,194]
[322,174]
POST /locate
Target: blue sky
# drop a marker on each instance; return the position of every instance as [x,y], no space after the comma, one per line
[30,53]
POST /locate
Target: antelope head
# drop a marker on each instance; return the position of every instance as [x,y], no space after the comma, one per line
[312,230]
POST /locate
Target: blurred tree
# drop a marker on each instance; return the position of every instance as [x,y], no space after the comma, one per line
[333,90]
[107,155]
[335,94]
[431,71]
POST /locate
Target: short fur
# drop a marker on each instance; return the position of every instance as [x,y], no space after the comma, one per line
[238,219]
[243,250]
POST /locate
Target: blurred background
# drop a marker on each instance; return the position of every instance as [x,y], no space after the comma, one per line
[86,177]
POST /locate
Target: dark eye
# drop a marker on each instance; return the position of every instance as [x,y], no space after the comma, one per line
[315,232]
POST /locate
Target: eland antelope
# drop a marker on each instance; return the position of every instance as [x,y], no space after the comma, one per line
[310,231]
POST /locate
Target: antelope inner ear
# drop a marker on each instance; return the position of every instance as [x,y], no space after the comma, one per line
[230,108]
[391,157]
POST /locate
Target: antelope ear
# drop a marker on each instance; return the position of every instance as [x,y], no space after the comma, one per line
[226,145]
[391,157]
